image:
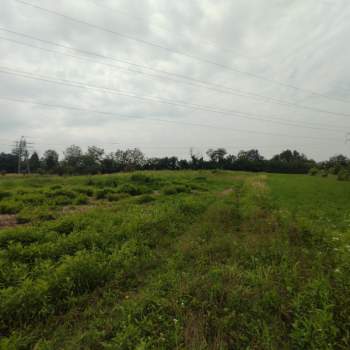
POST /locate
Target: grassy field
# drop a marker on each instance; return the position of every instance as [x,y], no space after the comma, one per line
[175,260]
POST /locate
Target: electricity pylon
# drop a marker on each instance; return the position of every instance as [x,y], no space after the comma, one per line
[22,152]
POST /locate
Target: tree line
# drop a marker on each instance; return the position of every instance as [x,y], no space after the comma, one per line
[96,161]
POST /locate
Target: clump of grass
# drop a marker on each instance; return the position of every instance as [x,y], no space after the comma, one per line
[10,207]
[130,189]
[55,187]
[81,199]
[175,189]
[64,226]
[32,198]
[146,198]
[104,193]
[61,192]
[141,178]
[34,214]
[5,194]
[200,178]
[103,182]
[62,200]
[84,190]
[115,197]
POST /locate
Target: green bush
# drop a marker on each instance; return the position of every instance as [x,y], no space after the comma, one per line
[343,175]
[324,173]
[332,171]
[313,171]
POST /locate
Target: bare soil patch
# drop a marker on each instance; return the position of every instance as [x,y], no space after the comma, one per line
[7,221]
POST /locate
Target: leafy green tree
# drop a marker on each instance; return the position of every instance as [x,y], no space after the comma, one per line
[50,161]
[73,159]
[130,159]
[91,162]
[34,162]
[217,155]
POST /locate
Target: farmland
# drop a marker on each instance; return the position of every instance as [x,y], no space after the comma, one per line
[174,260]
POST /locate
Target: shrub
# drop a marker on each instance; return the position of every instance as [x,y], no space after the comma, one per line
[324,173]
[343,175]
[313,171]
[332,171]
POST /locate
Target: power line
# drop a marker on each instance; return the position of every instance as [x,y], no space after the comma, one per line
[198,82]
[203,60]
[190,81]
[78,109]
[138,18]
[232,113]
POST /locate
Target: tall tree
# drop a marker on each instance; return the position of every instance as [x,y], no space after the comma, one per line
[34,162]
[50,161]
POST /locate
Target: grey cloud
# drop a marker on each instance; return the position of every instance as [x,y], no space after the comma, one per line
[299,43]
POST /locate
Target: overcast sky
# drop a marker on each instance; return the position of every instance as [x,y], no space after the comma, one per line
[170,75]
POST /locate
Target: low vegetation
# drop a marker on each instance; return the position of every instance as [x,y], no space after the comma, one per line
[174,260]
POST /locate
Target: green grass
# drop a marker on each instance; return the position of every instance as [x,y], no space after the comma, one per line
[175,260]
